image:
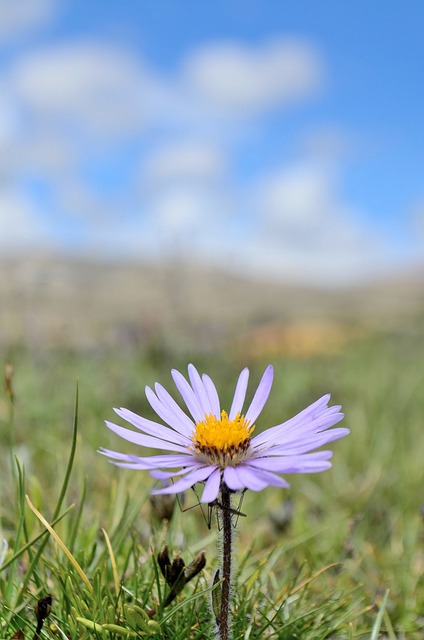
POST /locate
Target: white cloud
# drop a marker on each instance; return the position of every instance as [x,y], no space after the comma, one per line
[20,226]
[73,103]
[76,200]
[294,226]
[87,85]
[417,216]
[178,210]
[48,154]
[25,143]
[297,197]
[187,210]
[308,232]
[188,160]
[250,80]
[8,116]
[17,17]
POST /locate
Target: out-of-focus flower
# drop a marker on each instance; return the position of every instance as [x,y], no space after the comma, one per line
[212,446]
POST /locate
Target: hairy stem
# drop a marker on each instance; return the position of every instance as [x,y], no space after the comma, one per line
[224,624]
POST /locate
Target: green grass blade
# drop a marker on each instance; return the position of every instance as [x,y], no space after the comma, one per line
[379,619]
[70,459]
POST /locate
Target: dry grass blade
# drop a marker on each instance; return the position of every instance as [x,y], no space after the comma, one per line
[113,563]
[61,544]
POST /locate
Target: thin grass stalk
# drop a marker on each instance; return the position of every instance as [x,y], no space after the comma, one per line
[70,459]
[76,521]
[8,385]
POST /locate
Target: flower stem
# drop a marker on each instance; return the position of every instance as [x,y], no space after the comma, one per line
[227,534]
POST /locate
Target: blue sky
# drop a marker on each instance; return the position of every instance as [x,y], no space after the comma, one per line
[278,139]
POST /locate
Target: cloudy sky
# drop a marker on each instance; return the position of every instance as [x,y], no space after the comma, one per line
[281,139]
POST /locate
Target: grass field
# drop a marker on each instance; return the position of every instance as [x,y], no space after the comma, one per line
[339,555]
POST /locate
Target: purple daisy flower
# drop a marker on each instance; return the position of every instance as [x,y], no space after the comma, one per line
[212,446]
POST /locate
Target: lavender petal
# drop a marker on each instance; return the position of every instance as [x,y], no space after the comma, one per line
[186,423]
[198,475]
[166,475]
[232,480]
[291,464]
[305,443]
[166,414]
[212,395]
[151,462]
[188,396]
[144,441]
[199,390]
[151,428]
[307,420]
[271,478]
[211,489]
[261,395]
[250,479]
[239,394]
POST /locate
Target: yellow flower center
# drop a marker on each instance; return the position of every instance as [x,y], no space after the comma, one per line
[221,440]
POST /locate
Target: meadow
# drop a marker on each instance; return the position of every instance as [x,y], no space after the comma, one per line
[338,555]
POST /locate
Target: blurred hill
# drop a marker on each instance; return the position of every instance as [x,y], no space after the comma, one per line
[47,302]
